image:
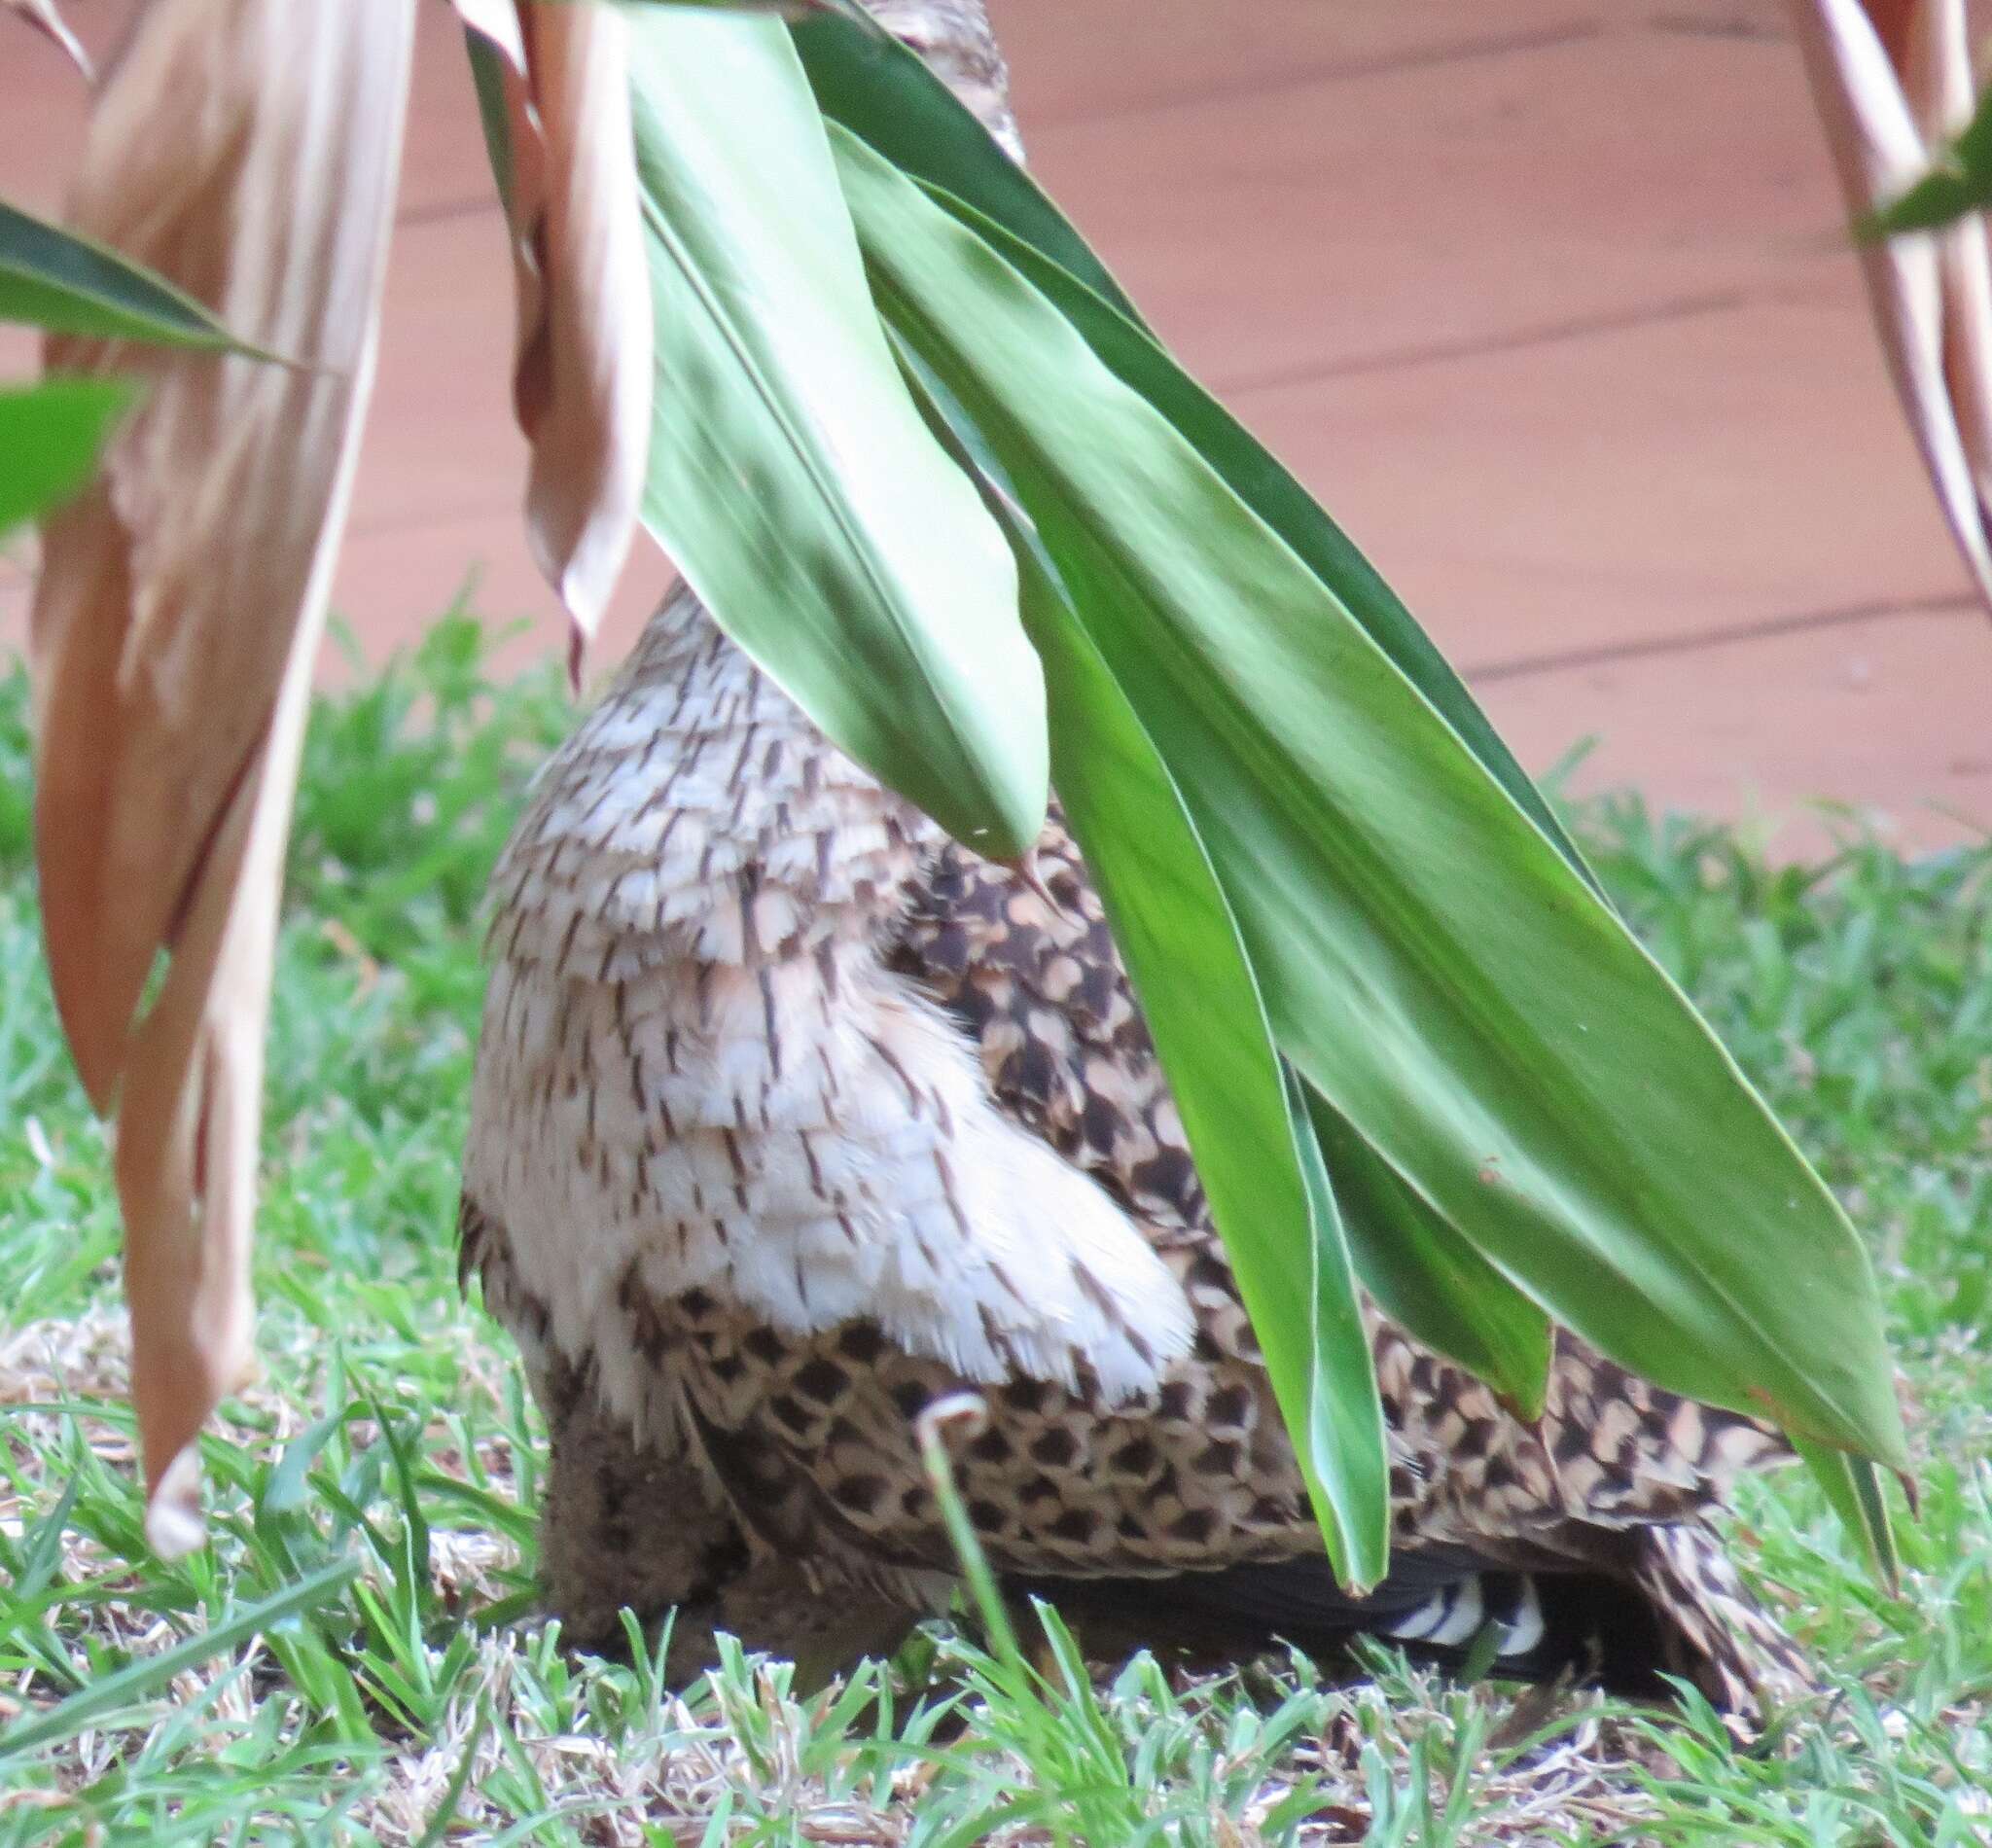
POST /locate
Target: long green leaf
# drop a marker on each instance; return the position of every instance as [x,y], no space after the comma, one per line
[1432,964]
[52,278]
[890,100]
[1423,1269]
[50,438]
[1427,1276]
[1419,1266]
[1260,1169]
[885,95]
[791,477]
[1853,1490]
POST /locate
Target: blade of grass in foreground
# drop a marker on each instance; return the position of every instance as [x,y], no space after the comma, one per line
[140,1680]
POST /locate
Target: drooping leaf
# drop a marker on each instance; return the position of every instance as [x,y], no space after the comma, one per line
[49,437]
[1181,944]
[1254,1150]
[1422,1270]
[1853,1489]
[1344,1408]
[1430,964]
[56,280]
[563,152]
[887,97]
[1427,1276]
[1266,486]
[792,481]
[248,151]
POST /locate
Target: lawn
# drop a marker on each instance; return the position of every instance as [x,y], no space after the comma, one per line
[357,1658]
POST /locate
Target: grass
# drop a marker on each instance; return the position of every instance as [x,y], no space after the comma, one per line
[356,1658]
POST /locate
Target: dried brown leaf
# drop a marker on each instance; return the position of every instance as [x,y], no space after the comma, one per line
[581,383]
[1927,292]
[1938,80]
[248,150]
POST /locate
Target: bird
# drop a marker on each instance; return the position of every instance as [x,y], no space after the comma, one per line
[793,1119]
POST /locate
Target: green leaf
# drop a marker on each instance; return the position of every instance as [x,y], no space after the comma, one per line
[1262,1176]
[50,438]
[791,477]
[52,278]
[1424,1272]
[1266,486]
[1853,1490]
[1256,1157]
[885,95]
[1426,1275]
[1430,963]
[1344,1421]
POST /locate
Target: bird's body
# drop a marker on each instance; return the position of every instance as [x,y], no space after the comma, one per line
[791,1118]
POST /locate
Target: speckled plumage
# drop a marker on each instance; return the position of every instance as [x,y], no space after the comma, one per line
[791,1118]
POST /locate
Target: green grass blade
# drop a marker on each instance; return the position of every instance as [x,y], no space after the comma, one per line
[52,278]
[51,435]
[791,479]
[137,1680]
[1432,964]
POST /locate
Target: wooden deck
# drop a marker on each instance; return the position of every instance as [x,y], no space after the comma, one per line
[1545,299]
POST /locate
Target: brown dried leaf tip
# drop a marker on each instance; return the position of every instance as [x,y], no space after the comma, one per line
[581,387]
[1893,83]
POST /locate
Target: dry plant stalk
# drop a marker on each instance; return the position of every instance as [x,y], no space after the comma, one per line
[248,150]
[1893,83]
[44,14]
[582,382]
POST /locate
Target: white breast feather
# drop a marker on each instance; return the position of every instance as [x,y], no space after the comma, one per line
[722,1087]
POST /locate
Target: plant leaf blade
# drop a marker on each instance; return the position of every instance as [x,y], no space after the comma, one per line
[886,95]
[1684,1235]
[1427,1276]
[60,280]
[791,479]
